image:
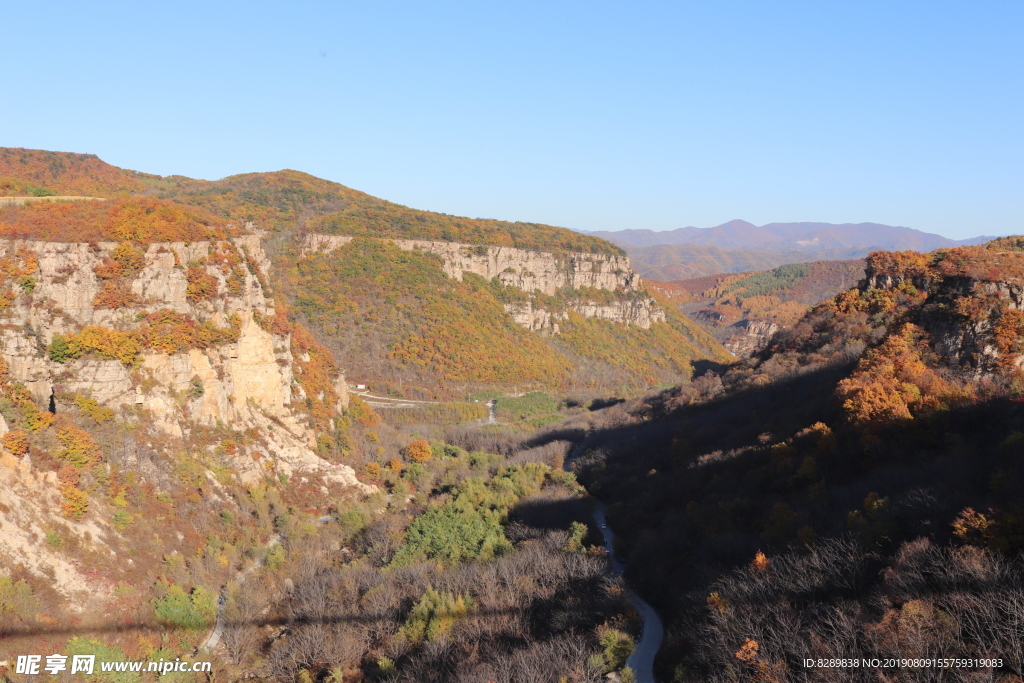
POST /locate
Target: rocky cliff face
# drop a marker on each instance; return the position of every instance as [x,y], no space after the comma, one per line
[750,336]
[638,312]
[526,270]
[246,384]
[535,319]
[533,271]
[970,302]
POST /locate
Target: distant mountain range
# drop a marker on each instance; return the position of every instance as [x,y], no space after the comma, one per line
[739,246]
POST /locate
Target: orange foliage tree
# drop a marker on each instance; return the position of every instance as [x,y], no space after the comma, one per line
[892,381]
[16,442]
[419,451]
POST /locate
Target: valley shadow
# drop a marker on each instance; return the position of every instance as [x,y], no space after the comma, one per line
[727,421]
[704,366]
[541,514]
[696,491]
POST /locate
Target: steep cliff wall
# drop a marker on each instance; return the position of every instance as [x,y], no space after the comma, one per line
[752,335]
[636,312]
[246,382]
[174,344]
[533,271]
[526,270]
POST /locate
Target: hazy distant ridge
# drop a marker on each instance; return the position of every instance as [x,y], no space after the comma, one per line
[783,237]
[739,246]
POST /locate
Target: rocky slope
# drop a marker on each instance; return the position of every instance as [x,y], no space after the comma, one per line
[69,344]
[248,382]
[971,302]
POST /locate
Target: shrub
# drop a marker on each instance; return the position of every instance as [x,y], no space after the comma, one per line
[138,219]
[130,258]
[104,342]
[103,653]
[354,521]
[93,409]
[189,611]
[201,285]
[16,597]
[577,532]
[80,449]
[60,351]
[122,520]
[114,295]
[76,502]
[434,614]
[616,648]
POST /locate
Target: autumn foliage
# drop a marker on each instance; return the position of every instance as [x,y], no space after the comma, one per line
[419,451]
[16,442]
[893,381]
[141,220]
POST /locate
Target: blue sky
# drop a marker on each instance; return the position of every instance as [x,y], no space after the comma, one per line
[595,115]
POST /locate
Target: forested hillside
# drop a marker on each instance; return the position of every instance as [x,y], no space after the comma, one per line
[851,491]
[743,310]
[392,318]
[185,477]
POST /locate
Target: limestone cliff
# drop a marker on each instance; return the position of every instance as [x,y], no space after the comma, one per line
[640,312]
[245,384]
[533,272]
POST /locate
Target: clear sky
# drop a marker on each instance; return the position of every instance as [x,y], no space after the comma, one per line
[592,115]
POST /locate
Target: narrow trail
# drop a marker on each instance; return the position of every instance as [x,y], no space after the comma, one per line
[642,659]
[390,401]
[218,628]
[653,632]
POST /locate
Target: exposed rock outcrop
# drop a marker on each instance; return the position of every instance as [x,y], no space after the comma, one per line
[534,319]
[639,312]
[970,301]
[28,497]
[248,384]
[533,271]
[526,270]
[750,336]
[316,242]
